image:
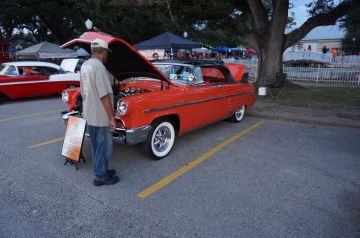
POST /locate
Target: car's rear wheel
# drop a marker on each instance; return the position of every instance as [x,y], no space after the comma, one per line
[160,140]
[238,114]
[3,98]
[70,86]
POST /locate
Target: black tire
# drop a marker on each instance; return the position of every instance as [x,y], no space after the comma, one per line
[160,140]
[238,115]
[71,86]
[79,106]
[3,98]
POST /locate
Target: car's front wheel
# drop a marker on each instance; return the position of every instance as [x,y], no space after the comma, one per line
[160,140]
[238,114]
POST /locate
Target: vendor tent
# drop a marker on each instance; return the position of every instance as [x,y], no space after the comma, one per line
[81,52]
[222,49]
[167,40]
[44,50]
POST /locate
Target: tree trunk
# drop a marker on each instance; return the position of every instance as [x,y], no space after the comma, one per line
[270,58]
[270,63]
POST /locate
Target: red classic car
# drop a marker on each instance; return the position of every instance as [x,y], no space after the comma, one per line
[30,79]
[157,101]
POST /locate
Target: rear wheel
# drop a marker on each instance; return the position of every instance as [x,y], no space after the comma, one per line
[70,86]
[160,140]
[3,98]
[238,114]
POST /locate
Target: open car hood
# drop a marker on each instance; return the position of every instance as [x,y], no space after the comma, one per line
[124,61]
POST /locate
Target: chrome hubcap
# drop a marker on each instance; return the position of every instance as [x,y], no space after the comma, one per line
[239,113]
[162,139]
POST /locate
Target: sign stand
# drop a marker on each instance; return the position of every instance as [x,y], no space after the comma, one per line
[67,160]
[73,142]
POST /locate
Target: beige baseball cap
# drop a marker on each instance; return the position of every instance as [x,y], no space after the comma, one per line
[99,43]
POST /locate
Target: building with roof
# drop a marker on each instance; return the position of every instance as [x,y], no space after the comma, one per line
[329,36]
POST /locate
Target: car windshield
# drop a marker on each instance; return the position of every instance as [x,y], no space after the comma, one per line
[7,69]
[180,73]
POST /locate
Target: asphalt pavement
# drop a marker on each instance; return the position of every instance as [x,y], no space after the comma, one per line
[277,179]
[339,117]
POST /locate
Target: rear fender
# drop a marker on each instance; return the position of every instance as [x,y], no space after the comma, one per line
[237,71]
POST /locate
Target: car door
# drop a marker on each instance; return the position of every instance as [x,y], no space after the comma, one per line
[32,80]
[203,103]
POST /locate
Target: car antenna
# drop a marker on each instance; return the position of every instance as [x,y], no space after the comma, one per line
[162,86]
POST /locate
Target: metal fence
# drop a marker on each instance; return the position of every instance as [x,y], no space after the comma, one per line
[323,75]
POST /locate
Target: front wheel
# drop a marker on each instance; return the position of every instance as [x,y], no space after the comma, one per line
[238,114]
[160,140]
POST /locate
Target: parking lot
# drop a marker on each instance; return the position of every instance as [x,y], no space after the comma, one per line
[257,178]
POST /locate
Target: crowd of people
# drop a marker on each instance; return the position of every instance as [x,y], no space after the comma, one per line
[335,53]
[211,55]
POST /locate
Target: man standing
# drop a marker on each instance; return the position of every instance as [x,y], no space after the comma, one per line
[97,97]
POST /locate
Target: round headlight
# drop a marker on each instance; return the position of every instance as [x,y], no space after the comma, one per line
[122,107]
[65,97]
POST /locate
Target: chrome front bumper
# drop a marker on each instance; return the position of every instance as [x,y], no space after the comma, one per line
[127,136]
[65,115]
[132,136]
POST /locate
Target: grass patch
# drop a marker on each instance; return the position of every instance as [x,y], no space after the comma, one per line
[338,97]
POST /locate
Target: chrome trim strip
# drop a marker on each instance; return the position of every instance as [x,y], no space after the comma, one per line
[38,81]
[195,102]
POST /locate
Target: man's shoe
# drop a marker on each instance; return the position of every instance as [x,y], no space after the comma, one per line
[107,181]
[111,173]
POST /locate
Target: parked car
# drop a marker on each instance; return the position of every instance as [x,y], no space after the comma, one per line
[161,100]
[31,79]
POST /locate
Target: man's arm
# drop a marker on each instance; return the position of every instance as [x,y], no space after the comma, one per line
[106,101]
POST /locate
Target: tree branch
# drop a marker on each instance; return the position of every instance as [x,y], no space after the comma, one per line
[245,32]
[260,16]
[328,18]
[280,13]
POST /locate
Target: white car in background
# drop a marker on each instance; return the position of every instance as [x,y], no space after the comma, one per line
[33,78]
[72,65]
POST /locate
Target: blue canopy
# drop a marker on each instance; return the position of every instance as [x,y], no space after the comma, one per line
[222,49]
[167,40]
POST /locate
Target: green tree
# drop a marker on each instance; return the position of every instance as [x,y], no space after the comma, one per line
[351,24]
[261,24]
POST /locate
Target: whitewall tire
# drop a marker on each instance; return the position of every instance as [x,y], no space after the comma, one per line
[160,140]
[238,114]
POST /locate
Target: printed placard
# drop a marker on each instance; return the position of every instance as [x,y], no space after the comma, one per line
[74,137]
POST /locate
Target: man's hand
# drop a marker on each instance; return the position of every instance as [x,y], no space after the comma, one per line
[112,124]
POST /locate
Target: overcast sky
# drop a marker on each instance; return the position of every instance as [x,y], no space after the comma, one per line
[301,14]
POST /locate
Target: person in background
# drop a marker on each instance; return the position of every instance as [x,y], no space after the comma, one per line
[342,56]
[155,56]
[334,54]
[309,49]
[98,112]
[325,50]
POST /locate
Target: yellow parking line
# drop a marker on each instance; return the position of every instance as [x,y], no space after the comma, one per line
[46,143]
[29,115]
[170,178]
